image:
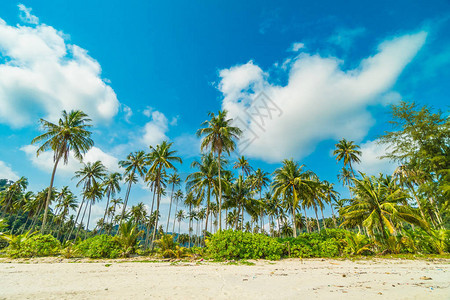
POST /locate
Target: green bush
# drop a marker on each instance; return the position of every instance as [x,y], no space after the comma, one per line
[100,246]
[328,243]
[35,245]
[231,244]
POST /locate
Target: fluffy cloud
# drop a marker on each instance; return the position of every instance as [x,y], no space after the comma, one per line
[26,16]
[155,130]
[320,100]
[45,160]
[296,46]
[41,75]
[371,164]
[6,172]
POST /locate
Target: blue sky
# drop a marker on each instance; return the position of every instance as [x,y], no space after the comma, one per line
[146,71]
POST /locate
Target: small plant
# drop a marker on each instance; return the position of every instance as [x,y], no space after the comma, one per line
[31,245]
[168,248]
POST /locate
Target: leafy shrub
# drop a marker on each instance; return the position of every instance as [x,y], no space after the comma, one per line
[327,243]
[33,245]
[168,248]
[100,246]
[231,244]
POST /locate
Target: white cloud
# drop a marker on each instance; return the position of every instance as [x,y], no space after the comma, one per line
[296,46]
[7,173]
[320,101]
[187,145]
[128,112]
[344,37]
[26,16]
[155,130]
[45,160]
[371,164]
[42,75]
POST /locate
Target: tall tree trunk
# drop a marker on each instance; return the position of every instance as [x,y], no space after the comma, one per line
[89,218]
[158,199]
[149,225]
[174,219]
[126,197]
[106,209]
[317,218]
[334,217]
[76,219]
[294,225]
[49,194]
[190,221]
[208,200]
[306,220]
[323,219]
[81,221]
[220,192]
[170,208]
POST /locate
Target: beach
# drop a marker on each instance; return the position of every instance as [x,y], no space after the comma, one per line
[54,278]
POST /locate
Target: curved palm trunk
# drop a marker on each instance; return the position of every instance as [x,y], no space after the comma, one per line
[190,222]
[81,221]
[49,193]
[76,219]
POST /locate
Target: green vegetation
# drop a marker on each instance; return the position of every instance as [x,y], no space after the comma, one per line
[249,215]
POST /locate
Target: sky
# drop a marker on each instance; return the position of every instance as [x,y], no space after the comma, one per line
[296,76]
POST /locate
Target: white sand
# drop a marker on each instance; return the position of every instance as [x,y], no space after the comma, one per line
[286,279]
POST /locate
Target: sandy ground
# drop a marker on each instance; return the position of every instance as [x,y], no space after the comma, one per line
[286,279]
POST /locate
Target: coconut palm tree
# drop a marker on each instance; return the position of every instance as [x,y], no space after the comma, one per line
[259,180]
[138,213]
[111,185]
[91,174]
[289,181]
[135,163]
[180,217]
[347,151]
[204,180]
[380,208]
[331,195]
[162,159]
[177,197]
[174,179]
[69,135]
[219,136]
[242,163]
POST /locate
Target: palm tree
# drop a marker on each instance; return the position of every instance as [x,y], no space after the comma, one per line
[331,195]
[139,213]
[71,134]
[259,180]
[89,176]
[219,136]
[289,180]
[174,179]
[135,163]
[111,186]
[189,201]
[204,180]
[379,207]
[180,217]
[347,151]
[177,196]
[242,163]
[162,158]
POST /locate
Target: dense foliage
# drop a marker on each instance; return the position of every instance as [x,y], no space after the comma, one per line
[404,212]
